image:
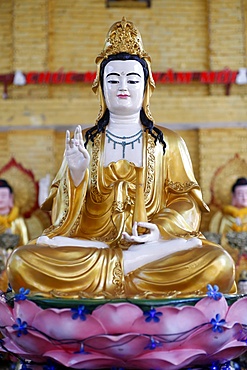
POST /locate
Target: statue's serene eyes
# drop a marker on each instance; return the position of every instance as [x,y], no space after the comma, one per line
[112,82]
[131,82]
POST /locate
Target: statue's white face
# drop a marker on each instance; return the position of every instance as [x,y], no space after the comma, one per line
[239,198]
[124,86]
[6,201]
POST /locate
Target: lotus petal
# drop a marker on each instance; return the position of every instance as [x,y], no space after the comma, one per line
[59,324]
[172,322]
[118,318]
[237,312]
[124,346]
[26,311]
[211,307]
[6,315]
[170,360]
[84,360]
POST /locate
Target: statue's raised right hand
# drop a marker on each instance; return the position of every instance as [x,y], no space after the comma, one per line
[77,156]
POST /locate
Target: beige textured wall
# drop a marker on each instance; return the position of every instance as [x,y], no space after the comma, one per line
[184,35]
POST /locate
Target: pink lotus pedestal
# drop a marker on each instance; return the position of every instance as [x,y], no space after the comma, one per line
[137,334]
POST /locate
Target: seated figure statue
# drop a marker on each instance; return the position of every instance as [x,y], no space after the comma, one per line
[233,216]
[13,228]
[126,207]
[10,220]
[230,224]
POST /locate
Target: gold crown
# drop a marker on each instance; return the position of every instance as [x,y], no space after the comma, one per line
[123,37]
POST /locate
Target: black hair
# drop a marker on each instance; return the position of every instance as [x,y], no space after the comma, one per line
[239,182]
[155,132]
[5,184]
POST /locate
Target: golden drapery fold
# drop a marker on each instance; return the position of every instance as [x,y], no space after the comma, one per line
[102,207]
[69,271]
[183,274]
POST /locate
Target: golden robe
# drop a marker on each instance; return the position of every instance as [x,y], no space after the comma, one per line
[101,208]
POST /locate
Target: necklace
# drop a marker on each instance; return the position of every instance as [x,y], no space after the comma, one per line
[111,138]
[6,220]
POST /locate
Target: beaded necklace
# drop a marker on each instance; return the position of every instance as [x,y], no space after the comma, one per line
[136,138]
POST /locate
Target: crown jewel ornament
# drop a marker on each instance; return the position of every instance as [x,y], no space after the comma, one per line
[123,37]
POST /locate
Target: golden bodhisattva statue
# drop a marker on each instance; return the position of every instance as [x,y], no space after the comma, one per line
[233,217]
[126,207]
[13,228]
[230,223]
[11,222]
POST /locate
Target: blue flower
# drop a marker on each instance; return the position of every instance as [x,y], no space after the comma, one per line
[79,312]
[227,366]
[217,323]
[49,366]
[213,292]
[153,344]
[21,327]
[21,296]
[152,315]
[214,366]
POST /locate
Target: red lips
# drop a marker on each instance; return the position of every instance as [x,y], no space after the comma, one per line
[123,96]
